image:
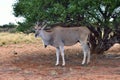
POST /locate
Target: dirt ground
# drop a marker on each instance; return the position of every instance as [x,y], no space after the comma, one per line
[34,62]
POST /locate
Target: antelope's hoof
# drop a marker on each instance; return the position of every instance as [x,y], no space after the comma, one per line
[63,64]
[84,64]
[56,64]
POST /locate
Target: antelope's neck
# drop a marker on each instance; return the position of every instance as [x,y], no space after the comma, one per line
[46,36]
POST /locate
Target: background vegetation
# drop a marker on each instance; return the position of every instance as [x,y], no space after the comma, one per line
[16,38]
[102,17]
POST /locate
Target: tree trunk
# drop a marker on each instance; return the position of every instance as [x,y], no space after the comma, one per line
[101,42]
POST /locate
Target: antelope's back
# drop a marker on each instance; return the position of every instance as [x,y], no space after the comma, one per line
[71,35]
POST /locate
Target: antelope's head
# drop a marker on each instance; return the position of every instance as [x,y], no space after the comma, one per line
[39,27]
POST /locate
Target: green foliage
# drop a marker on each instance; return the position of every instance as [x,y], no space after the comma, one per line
[95,14]
[10,25]
[93,11]
[25,27]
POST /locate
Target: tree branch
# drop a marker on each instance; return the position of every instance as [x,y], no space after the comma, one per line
[105,14]
[94,17]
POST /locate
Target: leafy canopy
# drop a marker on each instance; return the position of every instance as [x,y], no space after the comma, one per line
[102,17]
[92,11]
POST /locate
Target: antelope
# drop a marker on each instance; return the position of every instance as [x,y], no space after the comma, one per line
[60,36]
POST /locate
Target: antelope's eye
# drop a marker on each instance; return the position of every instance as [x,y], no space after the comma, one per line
[39,29]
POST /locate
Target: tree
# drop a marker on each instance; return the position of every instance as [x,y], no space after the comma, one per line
[100,16]
[10,25]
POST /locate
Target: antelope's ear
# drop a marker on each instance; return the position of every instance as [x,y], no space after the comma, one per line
[37,25]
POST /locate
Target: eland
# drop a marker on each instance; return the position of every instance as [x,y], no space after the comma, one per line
[60,36]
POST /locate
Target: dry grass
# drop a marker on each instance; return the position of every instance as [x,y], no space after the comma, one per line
[15,38]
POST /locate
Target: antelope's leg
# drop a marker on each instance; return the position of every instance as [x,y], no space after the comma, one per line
[62,54]
[85,53]
[57,56]
[88,58]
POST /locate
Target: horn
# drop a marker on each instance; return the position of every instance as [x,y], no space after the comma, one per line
[38,23]
[44,26]
[44,22]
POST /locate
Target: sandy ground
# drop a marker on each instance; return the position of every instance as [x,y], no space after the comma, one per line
[34,62]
